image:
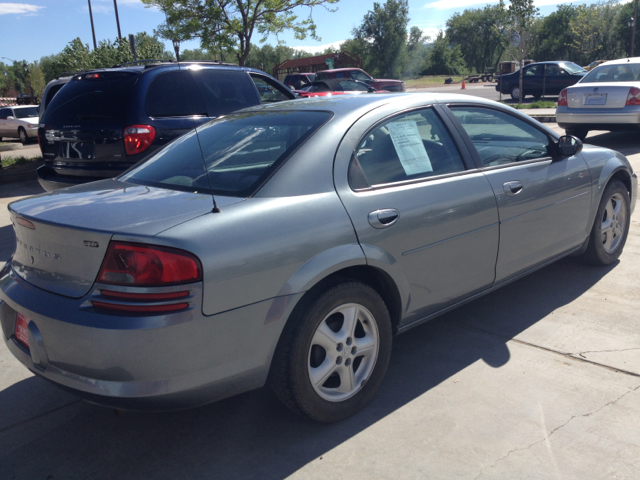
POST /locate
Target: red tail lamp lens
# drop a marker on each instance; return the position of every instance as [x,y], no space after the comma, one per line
[137,138]
[144,265]
[634,96]
[562,99]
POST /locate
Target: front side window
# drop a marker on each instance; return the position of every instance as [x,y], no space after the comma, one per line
[533,70]
[501,138]
[229,156]
[412,146]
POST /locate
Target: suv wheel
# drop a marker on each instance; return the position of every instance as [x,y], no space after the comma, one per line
[332,357]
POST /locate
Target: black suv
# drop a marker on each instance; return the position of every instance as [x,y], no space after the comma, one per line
[103,121]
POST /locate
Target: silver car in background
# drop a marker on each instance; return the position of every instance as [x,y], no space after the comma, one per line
[607,98]
[288,243]
[19,122]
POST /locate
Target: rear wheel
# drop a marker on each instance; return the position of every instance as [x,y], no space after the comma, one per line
[22,134]
[611,226]
[515,93]
[581,133]
[483,78]
[332,356]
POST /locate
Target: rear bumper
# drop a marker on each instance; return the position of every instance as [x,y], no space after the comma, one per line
[598,119]
[50,180]
[160,362]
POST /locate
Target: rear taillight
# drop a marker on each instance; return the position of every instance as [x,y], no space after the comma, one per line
[139,265]
[634,96]
[562,98]
[137,138]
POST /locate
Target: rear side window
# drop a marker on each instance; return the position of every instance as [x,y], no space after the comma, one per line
[166,96]
[224,91]
[408,147]
[51,93]
[94,97]
[240,151]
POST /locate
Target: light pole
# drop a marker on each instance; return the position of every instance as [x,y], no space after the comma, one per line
[93,30]
[115,5]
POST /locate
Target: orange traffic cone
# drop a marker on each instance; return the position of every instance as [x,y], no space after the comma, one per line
[463,87]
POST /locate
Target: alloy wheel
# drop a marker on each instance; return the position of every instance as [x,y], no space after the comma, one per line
[613,223]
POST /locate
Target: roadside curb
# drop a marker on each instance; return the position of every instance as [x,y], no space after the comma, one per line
[11,146]
[544,118]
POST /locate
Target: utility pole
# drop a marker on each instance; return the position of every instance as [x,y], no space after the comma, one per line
[635,21]
[115,5]
[93,30]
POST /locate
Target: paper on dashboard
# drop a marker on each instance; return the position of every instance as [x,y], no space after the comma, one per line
[409,147]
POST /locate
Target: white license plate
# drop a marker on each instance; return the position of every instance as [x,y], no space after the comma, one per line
[599,99]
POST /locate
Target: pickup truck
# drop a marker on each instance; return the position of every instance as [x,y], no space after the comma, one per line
[359,74]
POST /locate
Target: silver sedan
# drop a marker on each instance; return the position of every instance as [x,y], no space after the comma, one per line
[607,98]
[287,244]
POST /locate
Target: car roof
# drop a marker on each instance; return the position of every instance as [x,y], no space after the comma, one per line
[621,61]
[21,106]
[339,70]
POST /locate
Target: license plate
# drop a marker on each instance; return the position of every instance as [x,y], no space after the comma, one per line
[81,150]
[21,329]
[599,99]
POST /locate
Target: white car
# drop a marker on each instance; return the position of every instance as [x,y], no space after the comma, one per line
[607,98]
[20,122]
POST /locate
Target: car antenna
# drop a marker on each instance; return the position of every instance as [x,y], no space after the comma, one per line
[216,209]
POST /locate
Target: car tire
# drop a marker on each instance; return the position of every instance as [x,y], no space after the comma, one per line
[580,133]
[22,135]
[483,78]
[515,93]
[316,370]
[611,226]
[490,78]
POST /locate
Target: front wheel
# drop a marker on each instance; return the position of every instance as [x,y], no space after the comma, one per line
[611,226]
[515,93]
[332,356]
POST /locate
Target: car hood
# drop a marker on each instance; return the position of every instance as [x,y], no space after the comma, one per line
[390,80]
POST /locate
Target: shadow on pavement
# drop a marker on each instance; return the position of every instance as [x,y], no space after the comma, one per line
[624,142]
[252,435]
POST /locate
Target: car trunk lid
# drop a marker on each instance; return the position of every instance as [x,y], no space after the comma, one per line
[600,95]
[62,236]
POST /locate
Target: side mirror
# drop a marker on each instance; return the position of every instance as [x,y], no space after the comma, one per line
[569,145]
[10,118]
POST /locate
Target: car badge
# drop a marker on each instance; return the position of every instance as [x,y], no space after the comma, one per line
[595,89]
[87,243]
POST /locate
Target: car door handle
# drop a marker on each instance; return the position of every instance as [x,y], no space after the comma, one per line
[383,218]
[512,188]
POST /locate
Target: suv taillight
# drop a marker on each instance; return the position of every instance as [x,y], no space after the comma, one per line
[562,99]
[137,138]
[634,96]
[139,265]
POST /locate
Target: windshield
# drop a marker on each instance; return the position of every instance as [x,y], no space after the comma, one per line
[231,155]
[573,68]
[26,112]
[625,72]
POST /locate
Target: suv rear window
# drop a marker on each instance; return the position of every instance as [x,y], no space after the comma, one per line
[240,151]
[97,96]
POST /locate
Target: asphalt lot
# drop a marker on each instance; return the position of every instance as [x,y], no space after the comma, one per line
[538,380]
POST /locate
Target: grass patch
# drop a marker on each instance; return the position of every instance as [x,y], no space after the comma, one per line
[15,161]
[538,104]
[431,81]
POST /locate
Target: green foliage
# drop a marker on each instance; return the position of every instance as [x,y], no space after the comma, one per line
[416,53]
[232,23]
[267,57]
[534,105]
[444,59]
[476,33]
[585,28]
[384,32]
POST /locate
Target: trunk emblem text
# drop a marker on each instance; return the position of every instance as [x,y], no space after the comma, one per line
[87,243]
[36,251]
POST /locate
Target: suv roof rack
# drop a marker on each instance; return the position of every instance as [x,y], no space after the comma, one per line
[72,73]
[154,60]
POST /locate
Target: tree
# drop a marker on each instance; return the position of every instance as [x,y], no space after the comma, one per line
[444,59]
[385,32]
[417,51]
[232,23]
[553,39]
[585,28]
[519,27]
[475,31]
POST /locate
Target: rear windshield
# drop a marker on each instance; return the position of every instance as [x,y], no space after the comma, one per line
[573,68]
[235,155]
[26,112]
[92,97]
[626,72]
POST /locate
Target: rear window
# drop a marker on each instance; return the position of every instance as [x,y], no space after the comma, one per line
[626,72]
[92,97]
[236,153]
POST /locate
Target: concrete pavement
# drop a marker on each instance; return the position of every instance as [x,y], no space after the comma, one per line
[538,380]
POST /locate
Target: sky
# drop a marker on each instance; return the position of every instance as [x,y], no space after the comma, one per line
[35,28]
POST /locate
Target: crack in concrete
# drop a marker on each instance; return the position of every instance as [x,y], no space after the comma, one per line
[555,430]
[604,351]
